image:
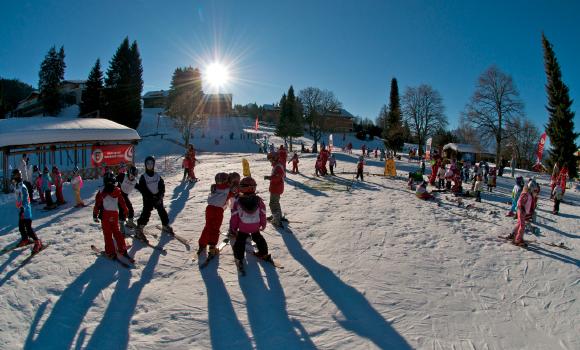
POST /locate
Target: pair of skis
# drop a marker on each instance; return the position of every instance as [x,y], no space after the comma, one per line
[102,253]
[560,245]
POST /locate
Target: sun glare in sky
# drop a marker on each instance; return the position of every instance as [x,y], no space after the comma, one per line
[216,75]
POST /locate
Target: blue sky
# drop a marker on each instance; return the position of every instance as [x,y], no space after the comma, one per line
[352,48]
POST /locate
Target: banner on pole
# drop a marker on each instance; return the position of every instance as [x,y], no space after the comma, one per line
[541,145]
[111,154]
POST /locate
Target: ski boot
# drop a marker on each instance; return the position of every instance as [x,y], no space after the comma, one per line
[140,235]
[37,246]
[24,242]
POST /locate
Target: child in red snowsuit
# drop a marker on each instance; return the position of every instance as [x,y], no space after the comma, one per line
[107,203]
[190,157]
[57,180]
[294,161]
[214,214]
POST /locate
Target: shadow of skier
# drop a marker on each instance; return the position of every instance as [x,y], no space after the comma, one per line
[361,317]
[226,331]
[60,328]
[271,325]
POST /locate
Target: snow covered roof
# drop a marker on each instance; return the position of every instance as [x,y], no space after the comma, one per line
[464,148]
[156,94]
[45,130]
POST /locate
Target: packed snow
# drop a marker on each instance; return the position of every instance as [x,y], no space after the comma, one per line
[367,265]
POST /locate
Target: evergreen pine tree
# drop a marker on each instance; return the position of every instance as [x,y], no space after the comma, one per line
[123,86]
[50,78]
[92,95]
[294,124]
[394,133]
[560,127]
[282,126]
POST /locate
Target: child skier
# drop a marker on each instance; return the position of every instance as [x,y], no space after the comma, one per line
[127,183]
[492,179]
[422,193]
[107,202]
[360,167]
[478,188]
[557,195]
[214,214]
[441,178]
[276,188]
[37,182]
[524,209]
[318,166]
[294,161]
[24,213]
[248,219]
[152,188]
[516,191]
[57,180]
[332,164]
[46,184]
[189,163]
[77,184]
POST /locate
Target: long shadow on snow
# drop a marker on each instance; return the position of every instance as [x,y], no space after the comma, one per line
[226,331]
[569,235]
[113,331]
[13,255]
[361,317]
[61,326]
[178,200]
[554,255]
[305,188]
[267,311]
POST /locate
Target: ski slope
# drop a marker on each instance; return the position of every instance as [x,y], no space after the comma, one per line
[367,266]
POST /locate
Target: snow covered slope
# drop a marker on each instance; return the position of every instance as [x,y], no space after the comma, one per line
[367,266]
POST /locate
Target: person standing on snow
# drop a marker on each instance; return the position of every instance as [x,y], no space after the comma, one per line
[332,164]
[24,213]
[57,180]
[26,175]
[127,183]
[516,192]
[276,188]
[294,161]
[248,219]
[46,184]
[217,201]
[360,167]
[76,184]
[152,188]
[107,203]
[557,195]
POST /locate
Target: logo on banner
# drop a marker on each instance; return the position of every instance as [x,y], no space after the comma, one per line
[98,156]
[129,154]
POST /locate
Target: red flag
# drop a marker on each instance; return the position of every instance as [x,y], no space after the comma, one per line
[541,147]
[256,125]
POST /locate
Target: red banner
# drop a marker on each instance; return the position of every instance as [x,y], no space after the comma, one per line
[541,147]
[111,154]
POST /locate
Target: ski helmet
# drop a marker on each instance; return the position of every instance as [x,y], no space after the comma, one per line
[149,163]
[75,170]
[248,185]
[221,178]
[234,177]
[54,168]
[109,179]
[45,170]
[520,181]
[35,168]
[133,171]
[16,175]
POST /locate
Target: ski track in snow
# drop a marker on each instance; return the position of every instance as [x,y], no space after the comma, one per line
[367,266]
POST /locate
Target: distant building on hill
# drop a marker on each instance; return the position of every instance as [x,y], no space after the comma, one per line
[71,92]
[211,104]
[155,99]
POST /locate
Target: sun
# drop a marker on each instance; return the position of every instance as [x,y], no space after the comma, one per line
[216,75]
